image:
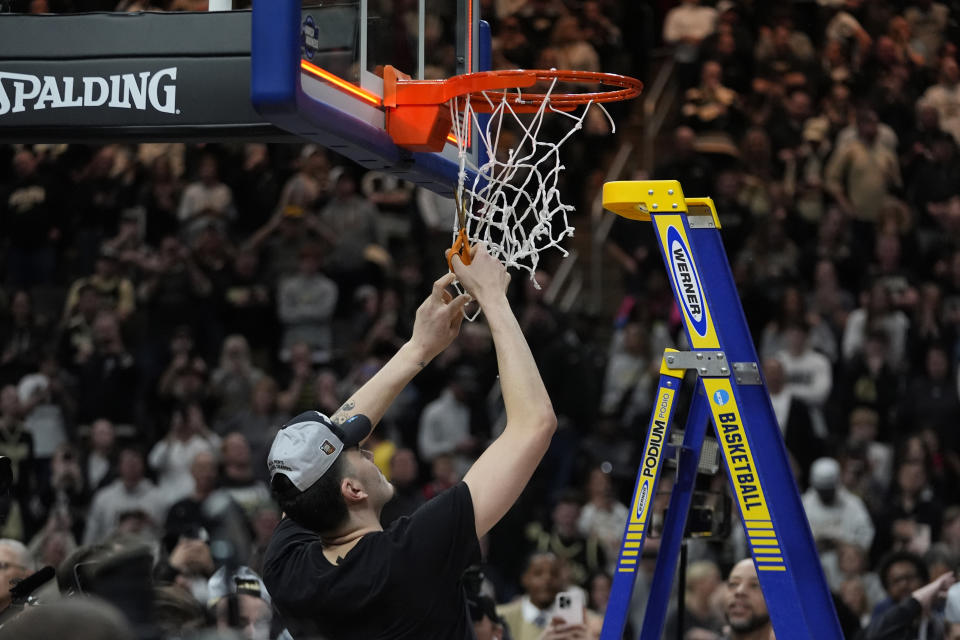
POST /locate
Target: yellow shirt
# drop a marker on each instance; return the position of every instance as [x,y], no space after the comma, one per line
[382,454]
[522,628]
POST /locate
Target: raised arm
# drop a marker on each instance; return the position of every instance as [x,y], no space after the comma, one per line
[436,325]
[498,477]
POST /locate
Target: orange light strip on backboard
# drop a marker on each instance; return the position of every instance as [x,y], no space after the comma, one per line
[341,84]
[470,36]
[452,139]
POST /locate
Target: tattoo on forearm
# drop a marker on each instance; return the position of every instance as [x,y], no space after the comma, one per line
[343,412]
[422,364]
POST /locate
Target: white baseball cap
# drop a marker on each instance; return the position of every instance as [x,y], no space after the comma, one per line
[825,473]
[306,447]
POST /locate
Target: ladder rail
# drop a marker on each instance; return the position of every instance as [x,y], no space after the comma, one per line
[644,492]
[673,527]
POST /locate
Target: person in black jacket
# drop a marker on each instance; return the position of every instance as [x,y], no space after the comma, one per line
[918,616]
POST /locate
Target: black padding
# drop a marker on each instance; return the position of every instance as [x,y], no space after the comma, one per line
[124,35]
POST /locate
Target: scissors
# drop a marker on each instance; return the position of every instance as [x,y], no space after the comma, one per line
[461,245]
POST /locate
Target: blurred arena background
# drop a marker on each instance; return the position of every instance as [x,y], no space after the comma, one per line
[165,307]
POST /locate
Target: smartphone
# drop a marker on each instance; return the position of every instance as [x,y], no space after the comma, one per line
[569,606]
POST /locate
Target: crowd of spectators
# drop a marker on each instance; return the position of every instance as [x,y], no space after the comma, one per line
[165,307]
[826,134]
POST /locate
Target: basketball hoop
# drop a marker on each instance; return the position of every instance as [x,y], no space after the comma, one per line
[512,202]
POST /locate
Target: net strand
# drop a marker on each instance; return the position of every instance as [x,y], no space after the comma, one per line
[513,201]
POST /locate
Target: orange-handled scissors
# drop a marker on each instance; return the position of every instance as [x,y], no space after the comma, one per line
[461,245]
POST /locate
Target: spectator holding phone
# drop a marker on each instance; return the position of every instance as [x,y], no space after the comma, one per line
[537,615]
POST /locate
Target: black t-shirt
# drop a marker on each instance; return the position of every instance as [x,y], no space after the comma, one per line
[26,213]
[400,583]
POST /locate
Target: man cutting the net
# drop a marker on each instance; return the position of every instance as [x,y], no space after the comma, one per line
[332,570]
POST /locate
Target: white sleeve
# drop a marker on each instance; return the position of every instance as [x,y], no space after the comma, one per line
[288,306]
[706,22]
[821,382]
[432,439]
[187,203]
[214,442]
[861,526]
[812,510]
[158,455]
[672,31]
[96,527]
[853,334]
[899,326]
[229,208]
[585,521]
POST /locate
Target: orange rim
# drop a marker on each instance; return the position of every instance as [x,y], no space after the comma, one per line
[513,81]
[411,124]
[400,90]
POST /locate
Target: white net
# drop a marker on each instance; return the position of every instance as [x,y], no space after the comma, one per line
[512,203]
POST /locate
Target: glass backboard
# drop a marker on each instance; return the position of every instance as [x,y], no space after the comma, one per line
[317,69]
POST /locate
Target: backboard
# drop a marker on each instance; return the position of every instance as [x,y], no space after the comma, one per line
[317,68]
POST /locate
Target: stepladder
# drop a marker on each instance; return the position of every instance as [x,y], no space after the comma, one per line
[729,393]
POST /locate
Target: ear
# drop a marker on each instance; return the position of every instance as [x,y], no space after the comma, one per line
[352,490]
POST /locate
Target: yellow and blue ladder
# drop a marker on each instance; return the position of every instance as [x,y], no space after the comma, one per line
[729,392]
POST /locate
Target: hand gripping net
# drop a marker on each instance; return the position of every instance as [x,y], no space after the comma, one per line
[512,202]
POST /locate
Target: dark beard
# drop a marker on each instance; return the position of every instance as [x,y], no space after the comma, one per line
[751,624]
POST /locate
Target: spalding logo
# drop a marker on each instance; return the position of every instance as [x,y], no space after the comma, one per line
[142,91]
[688,281]
[642,499]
